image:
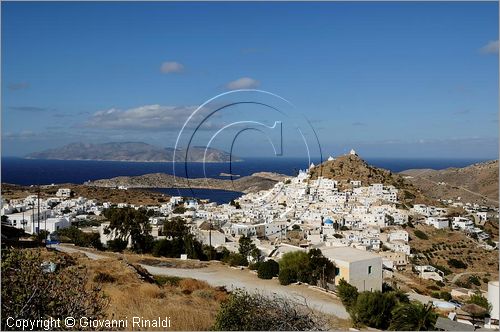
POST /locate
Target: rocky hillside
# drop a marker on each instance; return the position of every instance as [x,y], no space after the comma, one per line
[130,151]
[351,167]
[474,183]
[244,184]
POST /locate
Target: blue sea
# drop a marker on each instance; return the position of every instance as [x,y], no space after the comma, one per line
[32,172]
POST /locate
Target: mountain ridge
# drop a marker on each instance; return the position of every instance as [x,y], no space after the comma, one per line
[130,151]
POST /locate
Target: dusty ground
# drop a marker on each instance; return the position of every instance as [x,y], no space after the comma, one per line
[126,294]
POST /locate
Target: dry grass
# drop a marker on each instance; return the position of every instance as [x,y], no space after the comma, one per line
[192,305]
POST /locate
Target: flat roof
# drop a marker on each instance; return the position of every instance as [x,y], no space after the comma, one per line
[348,254]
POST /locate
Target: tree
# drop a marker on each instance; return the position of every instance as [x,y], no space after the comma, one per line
[247,248]
[480,300]
[175,228]
[287,276]
[255,312]
[80,238]
[129,222]
[374,309]
[117,245]
[421,235]
[236,259]
[268,269]
[320,268]
[413,316]
[294,265]
[458,264]
[30,293]
[347,293]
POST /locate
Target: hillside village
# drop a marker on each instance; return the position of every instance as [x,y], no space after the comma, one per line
[371,224]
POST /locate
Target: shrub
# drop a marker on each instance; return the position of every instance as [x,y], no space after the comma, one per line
[268,269]
[117,245]
[474,280]
[347,293]
[103,277]
[373,309]
[480,300]
[457,263]
[29,293]
[421,235]
[435,295]
[445,296]
[444,269]
[207,294]
[413,316]
[255,312]
[485,280]
[287,276]
[254,266]
[235,259]
[440,283]
[294,262]
[167,280]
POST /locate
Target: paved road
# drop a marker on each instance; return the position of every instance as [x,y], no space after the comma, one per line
[219,275]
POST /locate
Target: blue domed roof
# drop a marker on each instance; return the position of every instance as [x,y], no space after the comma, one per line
[328,221]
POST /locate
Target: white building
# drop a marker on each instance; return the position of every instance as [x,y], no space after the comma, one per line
[437,222]
[493,298]
[359,268]
[63,192]
[462,224]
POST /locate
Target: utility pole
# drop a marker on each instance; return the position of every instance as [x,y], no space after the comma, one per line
[210,240]
[38,199]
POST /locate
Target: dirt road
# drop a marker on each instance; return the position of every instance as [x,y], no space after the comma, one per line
[220,275]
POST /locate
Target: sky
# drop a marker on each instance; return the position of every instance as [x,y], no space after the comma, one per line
[389,79]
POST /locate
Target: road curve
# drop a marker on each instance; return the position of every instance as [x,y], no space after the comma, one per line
[218,275]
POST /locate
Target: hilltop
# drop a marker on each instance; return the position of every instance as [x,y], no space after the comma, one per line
[130,151]
[246,184]
[351,167]
[475,183]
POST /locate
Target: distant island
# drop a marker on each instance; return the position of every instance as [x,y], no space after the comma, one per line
[131,151]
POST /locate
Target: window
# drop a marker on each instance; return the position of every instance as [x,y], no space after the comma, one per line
[369,269]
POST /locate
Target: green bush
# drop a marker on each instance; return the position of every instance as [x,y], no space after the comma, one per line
[254,266]
[445,296]
[268,269]
[480,300]
[167,280]
[117,245]
[287,276]
[435,295]
[475,280]
[236,259]
[421,235]
[374,309]
[457,263]
[347,293]
[413,316]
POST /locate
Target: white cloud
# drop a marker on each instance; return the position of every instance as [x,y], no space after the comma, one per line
[171,67]
[243,83]
[490,48]
[148,117]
